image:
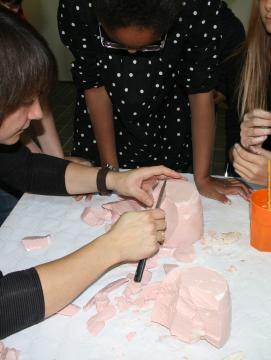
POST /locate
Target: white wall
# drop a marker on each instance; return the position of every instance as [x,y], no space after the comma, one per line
[42,14]
[241,8]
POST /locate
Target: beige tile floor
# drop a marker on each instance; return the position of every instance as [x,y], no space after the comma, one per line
[63,101]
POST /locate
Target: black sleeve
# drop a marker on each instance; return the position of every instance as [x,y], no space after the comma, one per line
[21,301]
[34,173]
[79,32]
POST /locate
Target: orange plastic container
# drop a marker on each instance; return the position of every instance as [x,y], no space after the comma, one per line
[260,221]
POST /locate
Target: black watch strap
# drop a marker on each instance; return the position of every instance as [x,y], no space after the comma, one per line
[101,180]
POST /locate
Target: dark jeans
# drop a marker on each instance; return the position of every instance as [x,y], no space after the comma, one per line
[7,202]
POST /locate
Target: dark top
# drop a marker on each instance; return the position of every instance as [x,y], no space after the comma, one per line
[21,296]
[149,91]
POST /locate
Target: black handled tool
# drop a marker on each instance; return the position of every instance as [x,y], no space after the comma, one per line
[141,264]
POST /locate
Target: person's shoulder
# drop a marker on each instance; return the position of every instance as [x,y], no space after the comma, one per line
[194,9]
[80,9]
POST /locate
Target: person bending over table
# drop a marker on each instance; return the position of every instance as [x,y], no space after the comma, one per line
[145,73]
[250,157]
[28,296]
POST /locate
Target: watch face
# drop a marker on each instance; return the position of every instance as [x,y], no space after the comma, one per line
[110,167]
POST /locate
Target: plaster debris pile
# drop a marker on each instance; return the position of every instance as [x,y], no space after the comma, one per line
[193,303]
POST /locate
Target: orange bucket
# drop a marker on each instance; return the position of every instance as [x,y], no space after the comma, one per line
[260,221]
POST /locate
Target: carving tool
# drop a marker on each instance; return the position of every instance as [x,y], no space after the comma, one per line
[142,263]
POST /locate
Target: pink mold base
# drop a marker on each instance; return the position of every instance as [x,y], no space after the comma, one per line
[194,304]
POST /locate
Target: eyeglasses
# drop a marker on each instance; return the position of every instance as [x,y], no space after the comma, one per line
[112,45]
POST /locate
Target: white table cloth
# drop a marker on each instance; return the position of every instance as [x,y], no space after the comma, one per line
[67,338]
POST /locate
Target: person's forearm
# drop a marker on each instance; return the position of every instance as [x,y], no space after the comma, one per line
[74,273]
[101,114]
[47,135]
[203,131]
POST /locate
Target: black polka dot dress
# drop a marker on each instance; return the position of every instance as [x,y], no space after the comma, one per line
[149,90]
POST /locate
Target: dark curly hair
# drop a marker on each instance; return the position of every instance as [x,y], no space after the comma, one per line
[28,67]
[156,14]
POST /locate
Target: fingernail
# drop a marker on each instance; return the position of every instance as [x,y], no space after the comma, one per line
[227,202]
[237,146]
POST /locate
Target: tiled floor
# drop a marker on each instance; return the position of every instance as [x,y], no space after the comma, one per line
[63,101]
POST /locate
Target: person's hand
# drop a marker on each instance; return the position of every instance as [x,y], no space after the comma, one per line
[139,183]
[81,161]
[220,99]
[218,189]
[251,167]
[255,128]
[137,235]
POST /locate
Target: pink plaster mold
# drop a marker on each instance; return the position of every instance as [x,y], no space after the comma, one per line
[184,214]
[194,303]
[183,208]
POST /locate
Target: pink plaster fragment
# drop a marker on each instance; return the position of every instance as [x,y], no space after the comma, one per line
[107,313]
[90,303]
[130,336]
[97,322]
[123,303]
[106,290]
[185,254]
[114,285]
[146,277]
[117,208]
[151,263]
[132,288]
[8,353]
[165,252]
[150,292]
[194,303]
[95,216]
[95,327]
[69,310]
[101,301]
[32,243]
[169,267]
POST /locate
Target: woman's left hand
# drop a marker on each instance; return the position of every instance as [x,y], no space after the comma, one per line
[139,183]
[218,189]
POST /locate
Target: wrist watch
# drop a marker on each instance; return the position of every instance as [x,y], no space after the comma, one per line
[101,179]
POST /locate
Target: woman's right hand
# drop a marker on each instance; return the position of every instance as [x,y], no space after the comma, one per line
[137,235]
[251,167]
[255,128]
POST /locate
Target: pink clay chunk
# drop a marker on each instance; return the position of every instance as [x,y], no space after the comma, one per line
[195,303]
[32,243]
